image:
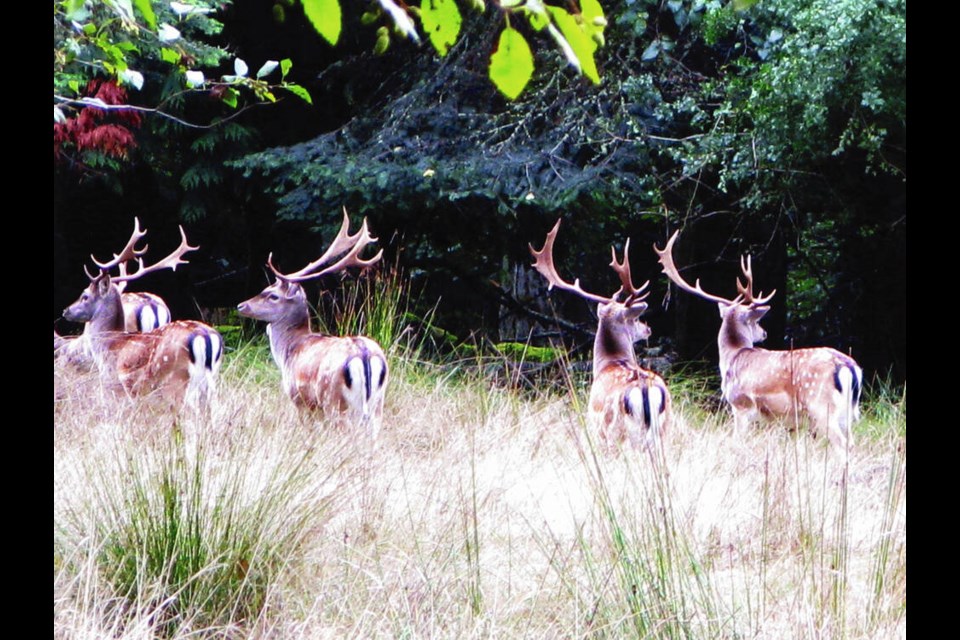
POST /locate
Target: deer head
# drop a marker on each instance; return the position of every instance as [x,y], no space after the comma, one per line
[741,315]
[619,324]
[284,301]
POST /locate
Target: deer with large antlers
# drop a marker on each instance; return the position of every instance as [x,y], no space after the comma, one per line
[341,378]
[819,383]
[177,361]
[142,311]
[627,402]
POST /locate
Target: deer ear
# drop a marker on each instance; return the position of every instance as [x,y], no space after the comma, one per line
[756,313]
[103,284]
[635,310]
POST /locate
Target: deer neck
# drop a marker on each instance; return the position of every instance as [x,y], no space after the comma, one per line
[286,334]
[612,344]
[731,340]
[103,330]
[108,316]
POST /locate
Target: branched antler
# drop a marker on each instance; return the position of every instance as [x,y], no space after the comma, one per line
[745,291]
[352,244]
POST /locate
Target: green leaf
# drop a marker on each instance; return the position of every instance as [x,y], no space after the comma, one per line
[594,22]
[72,8]
[537,15]
[582,44]
[298,91]
[511,65]
[169,55]
[441,20]
[324,15]
[652,51]
[229,97]
[743,5]
[285,66]
[146,10]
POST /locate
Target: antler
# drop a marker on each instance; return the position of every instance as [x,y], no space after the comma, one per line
[130,252]
[543,262]
[353,244]
[746,291]
[669,268]
[171,262]
[626,282]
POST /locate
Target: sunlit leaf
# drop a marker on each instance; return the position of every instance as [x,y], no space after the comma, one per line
[652,51]
[298,91]
[169,55]
[240,67]
[285,66]
[536,14]
[195,79]
[267,68]
[511,65]
[594,22]
[441,20]
[229,97]
[124,10]
[146,10]
[133,78]
[73,8]
[168,33]
[591,10]
[324,15]
[582,44]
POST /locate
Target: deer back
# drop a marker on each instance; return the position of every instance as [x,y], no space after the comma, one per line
[336,376]
[178,361]
[817,382]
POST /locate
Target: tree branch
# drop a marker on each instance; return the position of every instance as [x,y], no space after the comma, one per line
[99,104]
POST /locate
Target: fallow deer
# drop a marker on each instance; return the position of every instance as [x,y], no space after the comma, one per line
[626,400]
[341,378]
[820,383]
[142,311]
[178,361]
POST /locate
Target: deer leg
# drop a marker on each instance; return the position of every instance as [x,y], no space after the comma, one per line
[743,417]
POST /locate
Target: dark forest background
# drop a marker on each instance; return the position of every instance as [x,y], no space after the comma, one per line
[775,128]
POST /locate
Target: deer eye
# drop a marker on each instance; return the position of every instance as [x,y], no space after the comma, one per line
[274,297]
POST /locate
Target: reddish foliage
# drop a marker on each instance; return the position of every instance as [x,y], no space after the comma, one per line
[93,129]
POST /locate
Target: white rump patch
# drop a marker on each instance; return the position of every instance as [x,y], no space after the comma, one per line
[163,316]
[356,393]
[148,319]
[202,384]
[376,371]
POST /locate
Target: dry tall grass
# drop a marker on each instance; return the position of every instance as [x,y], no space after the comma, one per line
[480,512]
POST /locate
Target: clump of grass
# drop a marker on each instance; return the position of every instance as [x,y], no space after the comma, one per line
[191,532]
[883,410]
[376,304]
